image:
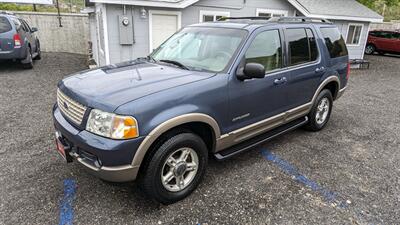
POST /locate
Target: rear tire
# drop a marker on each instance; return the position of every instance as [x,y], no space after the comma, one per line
[27,63]
[320,112]
[176,168]
[39,52]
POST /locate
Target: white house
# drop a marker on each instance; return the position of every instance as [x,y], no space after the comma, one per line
[123,30]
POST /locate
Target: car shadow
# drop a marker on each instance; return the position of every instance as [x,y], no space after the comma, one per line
[9,65]
[139,203]
[385,55]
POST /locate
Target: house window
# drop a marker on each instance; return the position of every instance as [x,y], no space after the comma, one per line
[354,34]
[211,16]
[271,13]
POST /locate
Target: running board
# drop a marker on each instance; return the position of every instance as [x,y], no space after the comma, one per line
[247,145]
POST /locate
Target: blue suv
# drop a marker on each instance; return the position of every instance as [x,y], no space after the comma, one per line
[18,41]
[216,88]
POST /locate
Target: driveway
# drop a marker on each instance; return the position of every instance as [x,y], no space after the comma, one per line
[347,174]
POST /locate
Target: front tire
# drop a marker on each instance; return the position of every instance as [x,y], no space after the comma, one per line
[370,49]
[321,111]
[176,168]
[38,51]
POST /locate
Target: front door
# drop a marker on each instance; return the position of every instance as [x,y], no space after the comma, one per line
[387,42]
[163,24]
[254,101]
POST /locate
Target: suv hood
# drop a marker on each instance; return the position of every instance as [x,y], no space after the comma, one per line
[108,87]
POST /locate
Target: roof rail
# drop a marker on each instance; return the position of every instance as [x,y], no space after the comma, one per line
[244,18]
[302,19]
[7,12]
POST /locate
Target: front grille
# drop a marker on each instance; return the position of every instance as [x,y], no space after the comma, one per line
[71,109]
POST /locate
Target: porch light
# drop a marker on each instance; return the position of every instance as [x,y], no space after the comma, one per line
[143,13]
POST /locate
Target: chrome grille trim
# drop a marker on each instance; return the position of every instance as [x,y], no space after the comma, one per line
[75,111]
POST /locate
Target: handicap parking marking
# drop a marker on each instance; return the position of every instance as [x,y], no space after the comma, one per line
[66,204]
[329,196]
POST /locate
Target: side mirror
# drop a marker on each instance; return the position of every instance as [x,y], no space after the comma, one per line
[250,71]
[34,29]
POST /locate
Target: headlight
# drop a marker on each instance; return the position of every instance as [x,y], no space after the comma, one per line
[111,125]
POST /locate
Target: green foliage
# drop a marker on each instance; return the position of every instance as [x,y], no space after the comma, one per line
[390,9]
[64,6]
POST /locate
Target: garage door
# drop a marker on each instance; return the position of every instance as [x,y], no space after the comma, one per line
[163,26]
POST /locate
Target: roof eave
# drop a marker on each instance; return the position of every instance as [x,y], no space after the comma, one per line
[349,18]
[305,12]
[177,5]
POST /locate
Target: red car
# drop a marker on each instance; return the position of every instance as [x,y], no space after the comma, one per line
[382,41]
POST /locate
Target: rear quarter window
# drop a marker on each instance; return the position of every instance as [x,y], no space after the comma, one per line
[5,25]
[334,42]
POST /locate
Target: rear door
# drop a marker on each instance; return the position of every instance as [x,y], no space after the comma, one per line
[305,64]
[26,32]
[6,35]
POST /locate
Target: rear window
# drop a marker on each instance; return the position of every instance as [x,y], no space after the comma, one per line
[5,26]
[334,42]
[302,46]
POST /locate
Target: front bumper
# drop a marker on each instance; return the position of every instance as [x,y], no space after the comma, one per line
[107,159]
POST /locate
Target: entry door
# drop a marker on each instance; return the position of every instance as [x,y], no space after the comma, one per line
[163,24]
[254,100]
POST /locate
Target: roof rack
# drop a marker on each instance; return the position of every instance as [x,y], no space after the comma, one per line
[302,19]
[295,19]
[244,18]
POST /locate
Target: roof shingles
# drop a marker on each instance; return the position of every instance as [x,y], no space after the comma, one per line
[349,8]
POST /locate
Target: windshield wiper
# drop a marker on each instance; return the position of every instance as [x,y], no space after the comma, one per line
[150,58]
[176,63]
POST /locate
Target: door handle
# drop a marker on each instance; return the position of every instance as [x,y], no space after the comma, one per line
[280,81]
[320,70]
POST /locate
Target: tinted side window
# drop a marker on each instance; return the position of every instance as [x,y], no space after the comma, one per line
[266,49]
[334,42]
[24,27]
[299,51]
[27,25]
[313,45]
[5,26]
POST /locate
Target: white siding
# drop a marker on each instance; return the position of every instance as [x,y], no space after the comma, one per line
[190,15]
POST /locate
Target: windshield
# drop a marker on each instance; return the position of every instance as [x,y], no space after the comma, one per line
[198,48]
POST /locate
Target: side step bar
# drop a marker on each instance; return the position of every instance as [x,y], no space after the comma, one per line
[247,145]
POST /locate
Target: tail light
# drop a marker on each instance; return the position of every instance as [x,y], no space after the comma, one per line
[348,71]
[17,41]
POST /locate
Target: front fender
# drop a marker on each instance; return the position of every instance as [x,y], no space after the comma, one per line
[169,124]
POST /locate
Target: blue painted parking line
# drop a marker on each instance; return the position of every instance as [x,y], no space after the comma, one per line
[66,206]
[329,196]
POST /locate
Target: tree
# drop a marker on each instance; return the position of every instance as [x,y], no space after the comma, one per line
[372,3]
